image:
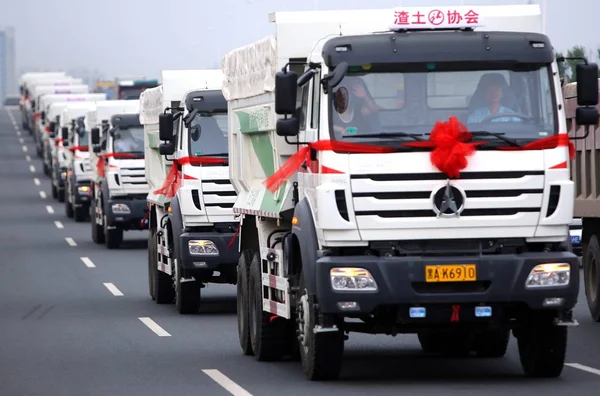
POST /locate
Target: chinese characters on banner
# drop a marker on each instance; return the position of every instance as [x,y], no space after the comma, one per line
[436,18]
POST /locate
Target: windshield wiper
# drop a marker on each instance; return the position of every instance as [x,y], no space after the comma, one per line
[496,135]
[213,155]
[415,136]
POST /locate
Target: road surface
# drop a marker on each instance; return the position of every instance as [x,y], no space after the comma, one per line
[77,319]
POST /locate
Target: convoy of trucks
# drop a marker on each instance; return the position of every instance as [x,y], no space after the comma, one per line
[411,170]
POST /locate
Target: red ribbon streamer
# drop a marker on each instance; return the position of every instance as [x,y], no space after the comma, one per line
[101,166]
[57,141]
[449,141]
[173,180]
[230,244]
[277,179]
[455,313]
[78,148]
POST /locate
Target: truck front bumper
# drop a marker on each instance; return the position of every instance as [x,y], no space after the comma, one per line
[219,247]
[127,213]
[401,284]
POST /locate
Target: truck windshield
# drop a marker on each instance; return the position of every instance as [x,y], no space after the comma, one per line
[81,137]
[128,140]
[518,103]
[208,135]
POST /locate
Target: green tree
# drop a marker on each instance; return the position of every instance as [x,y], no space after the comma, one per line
[576,51]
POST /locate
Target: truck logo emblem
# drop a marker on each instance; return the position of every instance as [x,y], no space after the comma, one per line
[448,201]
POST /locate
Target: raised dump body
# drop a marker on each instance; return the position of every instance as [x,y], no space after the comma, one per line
[406,180]
[196,244]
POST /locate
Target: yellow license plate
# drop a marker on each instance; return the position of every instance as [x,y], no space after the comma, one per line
[451,273]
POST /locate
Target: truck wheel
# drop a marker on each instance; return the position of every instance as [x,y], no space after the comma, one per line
[68,209]
[591,278]
[112,238]
[97,229]
[46,170]
[321,353]
[266,335]
[492,344]
[54,191]
[80,214]
[61,195]
[430,342]
[187,294]
[243,310]
[164,292]
[542,349]
[151,262]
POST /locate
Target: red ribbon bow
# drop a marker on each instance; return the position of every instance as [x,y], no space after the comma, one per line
[173,180]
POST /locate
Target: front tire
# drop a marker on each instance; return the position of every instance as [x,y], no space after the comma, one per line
[542,349]
[187,294]
[321,353]
[591,272]
[164,292]
[97,229]
[80,214]
[112,237]
[152,255]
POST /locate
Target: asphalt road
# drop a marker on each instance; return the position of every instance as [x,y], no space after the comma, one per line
[77,319]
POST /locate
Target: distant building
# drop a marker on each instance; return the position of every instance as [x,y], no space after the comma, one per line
[8,69]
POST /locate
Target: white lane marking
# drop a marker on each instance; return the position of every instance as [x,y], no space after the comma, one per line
[43,195]
[70,241]
[58,224]
[583,368]
[113,289]
[28,158]
[36,181]
[31,168]
[88,263]
[49,209]
[226,383]
[25,149]
[21,140]
[152,325]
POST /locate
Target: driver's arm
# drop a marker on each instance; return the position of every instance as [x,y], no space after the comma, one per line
[475,116]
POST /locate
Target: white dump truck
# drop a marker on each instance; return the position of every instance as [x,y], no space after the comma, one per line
[75,157]
[193,238]
[31,114]
[408,181]
[44,138]
[117,159]
[23,80]
[38,107]
[584,172]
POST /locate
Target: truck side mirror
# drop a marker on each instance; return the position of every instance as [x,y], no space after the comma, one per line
[166,148]
[95,132]
[43,116]
[52,129]
[586,116]
[165,127]
[288,127]
[286,87]
[64,132]
[587,84]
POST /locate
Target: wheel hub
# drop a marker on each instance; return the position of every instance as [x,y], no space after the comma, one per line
[303,320]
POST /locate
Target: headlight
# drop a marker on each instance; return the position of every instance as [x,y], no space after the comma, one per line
[83,190]
[120,208]
[549,275]
[63,175]
[203,247]
[352,279]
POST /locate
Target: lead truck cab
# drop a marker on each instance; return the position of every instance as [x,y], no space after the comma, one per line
[193,238]
[408,181]
[117,157]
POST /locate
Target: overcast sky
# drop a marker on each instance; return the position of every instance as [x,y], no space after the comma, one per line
[142,37]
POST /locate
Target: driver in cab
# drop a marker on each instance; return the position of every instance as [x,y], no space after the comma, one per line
[493,88]
[355,110]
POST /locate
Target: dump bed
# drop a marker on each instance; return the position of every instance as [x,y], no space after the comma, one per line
[585,167]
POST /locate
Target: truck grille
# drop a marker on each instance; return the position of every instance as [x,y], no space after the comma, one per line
[133,177]
[218,193]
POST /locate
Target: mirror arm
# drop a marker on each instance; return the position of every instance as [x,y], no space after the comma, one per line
[586,129]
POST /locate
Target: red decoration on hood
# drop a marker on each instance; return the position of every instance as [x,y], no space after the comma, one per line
[550,142]
[449,141]
[101,167]
[173,180]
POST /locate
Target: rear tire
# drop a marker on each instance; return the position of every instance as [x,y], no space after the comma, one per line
[243,307]
[591,276]
[266,335]
[542,349]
